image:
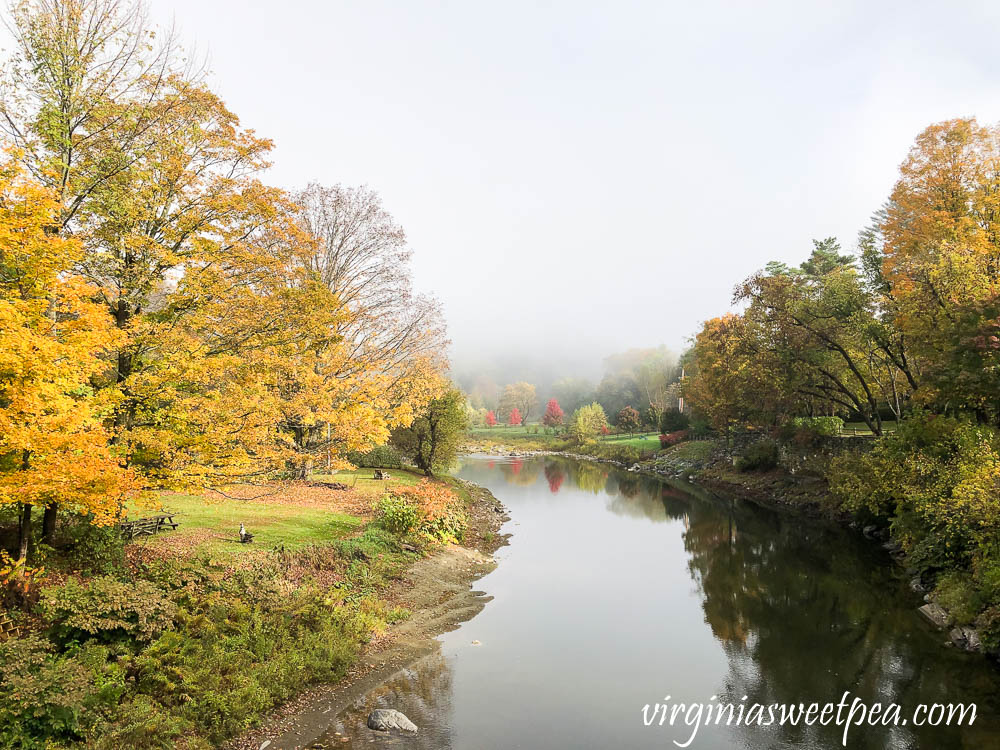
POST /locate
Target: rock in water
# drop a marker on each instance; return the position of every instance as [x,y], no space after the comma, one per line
[384,719]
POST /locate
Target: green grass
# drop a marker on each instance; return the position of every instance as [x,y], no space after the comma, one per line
[211,526]
[692,450]
[647,441]
[519,432]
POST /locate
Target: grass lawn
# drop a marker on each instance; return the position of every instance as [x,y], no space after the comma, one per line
[642,441]
[518,432]
[691,450]
[293,516]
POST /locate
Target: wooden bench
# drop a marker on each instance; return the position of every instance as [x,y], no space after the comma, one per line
[148,526]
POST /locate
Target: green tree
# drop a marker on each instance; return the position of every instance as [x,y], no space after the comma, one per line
[432,440]
[587,421]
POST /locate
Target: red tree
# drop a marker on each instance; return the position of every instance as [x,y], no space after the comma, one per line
[515,416]
[553,416]
[491,419]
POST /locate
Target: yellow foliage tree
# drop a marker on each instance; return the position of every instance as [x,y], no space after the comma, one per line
[54,449]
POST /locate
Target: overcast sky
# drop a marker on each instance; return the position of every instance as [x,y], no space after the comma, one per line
[598,175]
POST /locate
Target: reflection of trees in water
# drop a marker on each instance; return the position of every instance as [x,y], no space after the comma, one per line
[804,614]
[521,472]
[555,475]
[423,692]
[590,476]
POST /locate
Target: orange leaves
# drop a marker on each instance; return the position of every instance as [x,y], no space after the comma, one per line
[439,511]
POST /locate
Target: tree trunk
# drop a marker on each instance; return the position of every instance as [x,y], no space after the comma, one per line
[24,535]
[49,522]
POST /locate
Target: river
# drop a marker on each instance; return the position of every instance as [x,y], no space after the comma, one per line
[618,590]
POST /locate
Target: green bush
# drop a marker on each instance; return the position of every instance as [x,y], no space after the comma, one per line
[380,457]
[41,694]
[825,426]
[988,624]
[957,594]
[935,478]
[106,609]
[759,456]
[700,427]
[93,549]
[672,421]
[397,514]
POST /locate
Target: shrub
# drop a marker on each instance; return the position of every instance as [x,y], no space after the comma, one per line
[759,456]
[674,438]
[936,478]
[428,508]
[380,457]
[397,514]
[826,426]
[956,593]
[18,581]
[93,549]
[41,694]
[672,421]
[700,427]
[107,609]
[988,624]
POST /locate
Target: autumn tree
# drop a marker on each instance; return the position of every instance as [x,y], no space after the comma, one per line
[731,386]
[491,419]
[520,396]
[433,438]
[553,416]
[821,326]
[514,418]
[184,246]
[54,449]
[938,238]
[390,339]
[628,420]
[588,421]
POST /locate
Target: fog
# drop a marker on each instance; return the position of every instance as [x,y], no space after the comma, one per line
[577,179]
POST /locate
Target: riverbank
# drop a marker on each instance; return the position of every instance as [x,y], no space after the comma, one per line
[436,590]
[189,638]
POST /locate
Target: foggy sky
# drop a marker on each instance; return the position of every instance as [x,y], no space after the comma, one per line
[588,177]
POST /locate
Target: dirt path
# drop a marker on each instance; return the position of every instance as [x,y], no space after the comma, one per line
[437,590]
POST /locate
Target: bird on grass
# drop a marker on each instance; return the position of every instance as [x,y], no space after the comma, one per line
[245,536]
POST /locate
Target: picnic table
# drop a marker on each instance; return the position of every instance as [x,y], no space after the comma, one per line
[148,526]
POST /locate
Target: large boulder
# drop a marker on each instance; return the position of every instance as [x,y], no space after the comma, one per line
[936,614]
[385,719]
[966,638]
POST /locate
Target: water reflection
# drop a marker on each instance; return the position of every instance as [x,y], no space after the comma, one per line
[422,691]
[619,589]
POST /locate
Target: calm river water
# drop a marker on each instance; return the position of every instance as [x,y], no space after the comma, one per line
[617,591]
